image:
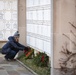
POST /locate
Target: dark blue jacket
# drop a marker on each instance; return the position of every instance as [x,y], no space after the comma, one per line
[12,45]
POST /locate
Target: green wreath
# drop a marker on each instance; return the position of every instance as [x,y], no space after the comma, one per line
[41,60]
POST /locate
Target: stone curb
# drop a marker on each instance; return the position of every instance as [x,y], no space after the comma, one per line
[27,67]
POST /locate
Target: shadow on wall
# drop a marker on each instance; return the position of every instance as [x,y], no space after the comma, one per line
[68,63]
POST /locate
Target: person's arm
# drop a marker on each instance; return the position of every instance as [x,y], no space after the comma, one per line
[15,46]
[20,45]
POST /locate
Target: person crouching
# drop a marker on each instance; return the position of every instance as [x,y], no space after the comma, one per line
[12,47]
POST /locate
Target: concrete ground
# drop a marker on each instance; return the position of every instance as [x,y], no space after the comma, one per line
[12,68]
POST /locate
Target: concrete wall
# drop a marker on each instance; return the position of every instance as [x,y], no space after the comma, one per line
[64,12]
[22,20]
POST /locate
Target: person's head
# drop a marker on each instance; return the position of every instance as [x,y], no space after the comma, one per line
[16,36]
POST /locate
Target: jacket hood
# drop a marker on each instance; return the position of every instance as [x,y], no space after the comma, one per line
[11,38]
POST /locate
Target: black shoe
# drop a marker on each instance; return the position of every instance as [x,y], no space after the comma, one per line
[6,58]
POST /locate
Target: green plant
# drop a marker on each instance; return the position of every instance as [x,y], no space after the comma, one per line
[41,59]
[38,69]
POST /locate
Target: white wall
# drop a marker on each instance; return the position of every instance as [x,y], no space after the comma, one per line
[38,22]
[8,18]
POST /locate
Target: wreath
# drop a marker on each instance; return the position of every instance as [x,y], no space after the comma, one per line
[41,59]
[28,53]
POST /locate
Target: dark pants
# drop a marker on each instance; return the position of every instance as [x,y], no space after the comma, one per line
[11,54]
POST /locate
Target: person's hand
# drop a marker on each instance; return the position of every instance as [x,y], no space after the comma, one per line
[27,48]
